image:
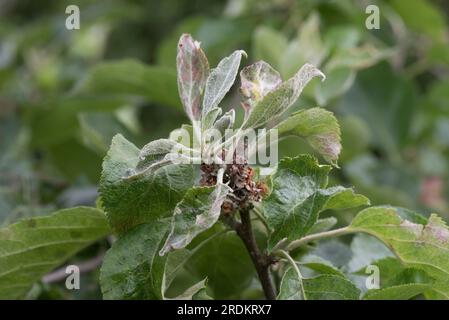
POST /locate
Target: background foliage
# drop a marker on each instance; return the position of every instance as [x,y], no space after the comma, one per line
[64,94]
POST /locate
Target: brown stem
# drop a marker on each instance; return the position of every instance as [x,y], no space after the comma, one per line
[261,261]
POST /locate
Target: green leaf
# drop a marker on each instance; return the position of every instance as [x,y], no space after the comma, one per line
[299,195]
[338,81]
[269,45]
[130,77]
[342,36]
[399,292]
[154,156]
[292,286]
[420,246]
[307,47]
[153,152]
[387,103]
[277,101]
[198,211]
[226,264]
[408,276]
[365,251]
[320,129]
[323,225]
[422,16]
[322,287]
[132,268]
[225,122]
[405,284]
[193,71]
[195,292]
[221,80]
[98,128]
[330,287]
[257,80]
[334,251]
[319,265]
[358,58]
[61,115]
[130,200]
[210,118]
[33,247]
[183,135]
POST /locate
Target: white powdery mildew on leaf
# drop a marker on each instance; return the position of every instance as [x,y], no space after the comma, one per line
[425,247]
[193,70]
[198,211]
[221,80]
[329,145]
[277,101]
[318,127]
[437,230]
[413,227]
[257,80]
[139,198]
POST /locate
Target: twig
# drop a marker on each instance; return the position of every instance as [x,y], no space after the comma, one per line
[261,261]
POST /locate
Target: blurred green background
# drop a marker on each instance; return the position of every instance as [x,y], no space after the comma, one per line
[65,93]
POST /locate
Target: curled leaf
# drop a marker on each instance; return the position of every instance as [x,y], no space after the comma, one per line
[319,127]
[143,198]
[277,101]
[193,70]
[225,122]
[196,212]
[221,80]
[157,154]
[256,81]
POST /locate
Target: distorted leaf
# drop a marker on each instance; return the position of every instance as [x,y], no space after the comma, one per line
[196,212]
[277,101]
[256,81]
[131,201]
[225,122]
[220,81]
[193,70]
[319,127]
